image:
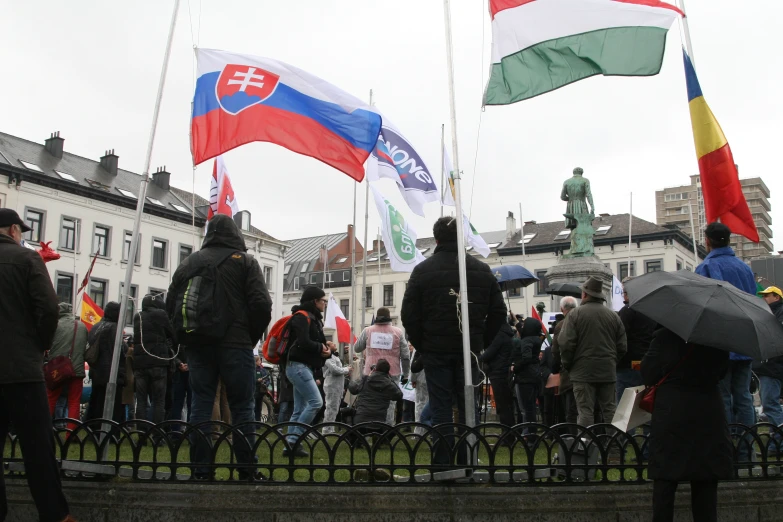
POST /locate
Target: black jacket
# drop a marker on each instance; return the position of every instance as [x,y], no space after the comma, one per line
[689,435]
[430,306]
[772,367]
[104,333]
[525,354]
[639,330]
[306,341]
[250,306]
[375,392]
[28,313]
[152,334]
[497,356]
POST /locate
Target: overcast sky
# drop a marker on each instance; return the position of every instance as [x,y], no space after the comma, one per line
[90,69]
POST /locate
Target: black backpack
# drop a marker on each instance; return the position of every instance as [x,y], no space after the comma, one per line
[200,306]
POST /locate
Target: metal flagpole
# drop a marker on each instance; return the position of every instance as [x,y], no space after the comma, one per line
[470,407]
[693,235]
[524,257]
[687,32]
[353,276]
[75,248]
[380,280]
[442,166]
[111,387]
[364,257]
[630,228]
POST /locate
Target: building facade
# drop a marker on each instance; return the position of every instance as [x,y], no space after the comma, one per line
[673,206]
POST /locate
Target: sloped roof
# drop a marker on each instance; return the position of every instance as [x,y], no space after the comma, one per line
[307,248]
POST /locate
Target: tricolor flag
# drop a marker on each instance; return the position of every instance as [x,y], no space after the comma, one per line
[472,236]
[241,98]
[541,45]
[720,184]
[337,321]
[91,313]
[399,237]
[221,193]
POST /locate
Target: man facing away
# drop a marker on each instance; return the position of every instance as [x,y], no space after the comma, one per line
[431,317]
[770,373]
[591,342]
[230,358]
[723,265]
[28,320]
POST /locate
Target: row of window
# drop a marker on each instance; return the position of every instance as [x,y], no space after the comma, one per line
[388,296]
[679,196]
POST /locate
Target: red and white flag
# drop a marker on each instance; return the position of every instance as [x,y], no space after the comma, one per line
[337,321]
[221,193]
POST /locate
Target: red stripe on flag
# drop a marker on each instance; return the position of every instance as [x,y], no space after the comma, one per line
[653,3]
[343,330]
[495,6]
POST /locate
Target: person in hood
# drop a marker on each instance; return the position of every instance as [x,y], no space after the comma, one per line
[70,339]
[102,335]
[525,367]
[334,388]
[248,308]
[497,359]
[154,338]
[308,351]
[28,322]
[375,391]
[770,373]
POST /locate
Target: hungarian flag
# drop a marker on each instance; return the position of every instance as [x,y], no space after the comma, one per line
[221,193]
[541,45]
[534,315]
[337,321]
[91,312]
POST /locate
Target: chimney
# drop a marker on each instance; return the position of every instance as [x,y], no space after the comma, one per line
[375,246]
[110,161]
[531,222]
[54,145]
[511,225]
[350,236]
[161,178]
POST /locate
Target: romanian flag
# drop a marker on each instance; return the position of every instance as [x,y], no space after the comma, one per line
[91,312]
[723,198]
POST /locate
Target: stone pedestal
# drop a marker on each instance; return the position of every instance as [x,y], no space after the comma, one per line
[579,270]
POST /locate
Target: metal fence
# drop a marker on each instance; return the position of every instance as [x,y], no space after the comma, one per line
[372,453]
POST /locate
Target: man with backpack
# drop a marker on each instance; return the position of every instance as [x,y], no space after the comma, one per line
[219,306]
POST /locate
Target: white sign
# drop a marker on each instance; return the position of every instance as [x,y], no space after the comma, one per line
[408,391]
[381,341]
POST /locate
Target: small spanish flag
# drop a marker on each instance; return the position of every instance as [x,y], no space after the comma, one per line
[91,312]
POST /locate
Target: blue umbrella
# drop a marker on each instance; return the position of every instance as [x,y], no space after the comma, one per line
[511,277]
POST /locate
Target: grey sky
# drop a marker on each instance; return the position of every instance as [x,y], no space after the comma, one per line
[90,70]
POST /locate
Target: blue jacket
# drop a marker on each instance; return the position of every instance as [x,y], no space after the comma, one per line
[723,265]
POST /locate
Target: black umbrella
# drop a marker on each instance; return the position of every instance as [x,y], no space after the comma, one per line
[511,277]
[708,312]
[565,289]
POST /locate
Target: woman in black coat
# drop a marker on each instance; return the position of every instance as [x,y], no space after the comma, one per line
[497,361]
[525,366]
[689,435]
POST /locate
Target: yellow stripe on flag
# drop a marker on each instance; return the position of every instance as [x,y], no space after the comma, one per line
[707,134]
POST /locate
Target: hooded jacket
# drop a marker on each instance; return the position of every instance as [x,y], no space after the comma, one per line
[248,301]
[306,341]
[772,367]
[497,356]
[103,333]
[525,354]
[153,335]
[64,339]
[28,313]
[375,392]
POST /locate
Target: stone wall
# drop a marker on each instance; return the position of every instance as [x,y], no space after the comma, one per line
[137,502]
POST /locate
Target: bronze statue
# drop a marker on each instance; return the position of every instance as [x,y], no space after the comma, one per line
[579,216]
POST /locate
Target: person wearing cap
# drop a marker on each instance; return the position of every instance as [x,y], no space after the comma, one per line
[592,340]
[28,322]
[770,373]
[721,264]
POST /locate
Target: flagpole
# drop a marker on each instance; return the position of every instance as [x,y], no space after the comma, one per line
[470,407]
[353,276]
[687,31]
[442,165]
[75,248]
[522,239]
[111,387]
[364,257]
[630,228]
[693,235]
[380,282]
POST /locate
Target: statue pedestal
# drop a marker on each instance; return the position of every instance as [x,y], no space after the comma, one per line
[580,269]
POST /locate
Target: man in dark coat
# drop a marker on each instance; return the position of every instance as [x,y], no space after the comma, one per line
[230,358]
[154,338]
[639,330]
[431,317]
[102,336]
[28,320]
[689,434]
[525,366]
[497,360]
[770,373]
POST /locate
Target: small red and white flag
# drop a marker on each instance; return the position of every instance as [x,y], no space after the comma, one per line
[337,321]
[221,193]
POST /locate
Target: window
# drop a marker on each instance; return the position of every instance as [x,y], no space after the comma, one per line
[296,283]
[268,276]
[68,230]
[66,176]
[527,238]
[34,220]
[126,246]
[347,275]
[564,234]
[423,250]
[313,278]
[541,285]
[287,269]
[493,245]
[244,220]
[180,208]
[676,197]
[64,287]
[345,307]
[368,297]
[603,230]
[159,293]
[155,202]
[653,266]
[622,270]
[160,248]
[304,268]
[134,293]
[689,268]
[30,166]
[388,295]
[678,264]
[101,239]
[516,292]
[184,252]
[126,193]
[341,259]
[329,278]
[97,291]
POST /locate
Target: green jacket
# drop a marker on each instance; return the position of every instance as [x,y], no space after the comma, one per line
[591,342]
[63,337]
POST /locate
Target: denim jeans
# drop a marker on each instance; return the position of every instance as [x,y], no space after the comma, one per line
[285,412]
[307,398]
[151,382]
[735,389]
[526,399]
[181,394]
[237,369]
[426,415]
[770,401]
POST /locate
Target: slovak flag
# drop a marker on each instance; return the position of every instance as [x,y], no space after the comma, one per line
[221,193]
[241,98]
[337,321]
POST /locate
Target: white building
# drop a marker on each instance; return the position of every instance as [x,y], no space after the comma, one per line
[84,207]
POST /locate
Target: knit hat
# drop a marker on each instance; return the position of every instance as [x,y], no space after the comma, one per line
[311,293]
